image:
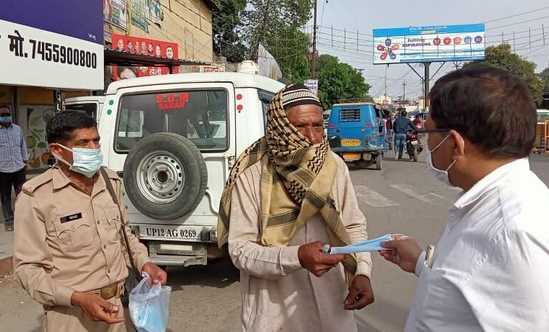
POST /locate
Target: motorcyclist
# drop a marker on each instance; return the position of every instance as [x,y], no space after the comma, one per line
[400,127]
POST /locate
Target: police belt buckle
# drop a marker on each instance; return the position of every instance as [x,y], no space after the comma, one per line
[110,291]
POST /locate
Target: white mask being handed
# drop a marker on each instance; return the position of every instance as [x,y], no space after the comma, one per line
[84,161]
[441,175]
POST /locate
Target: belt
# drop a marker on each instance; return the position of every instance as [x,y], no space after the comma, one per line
[110,291]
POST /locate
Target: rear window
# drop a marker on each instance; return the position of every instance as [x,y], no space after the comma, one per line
[543,116]
[199,115]
[88,108]
[349,115]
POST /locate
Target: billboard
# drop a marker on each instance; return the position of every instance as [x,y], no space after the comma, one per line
[429,44]
[52,43]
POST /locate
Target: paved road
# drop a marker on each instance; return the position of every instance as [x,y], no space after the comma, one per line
[403,198]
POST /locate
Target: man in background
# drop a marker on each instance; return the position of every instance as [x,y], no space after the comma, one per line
[13,159]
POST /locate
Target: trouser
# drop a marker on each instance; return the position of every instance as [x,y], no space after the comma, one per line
[8,181]
[400,142]
[73,319]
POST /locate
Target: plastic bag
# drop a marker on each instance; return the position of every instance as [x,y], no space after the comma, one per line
[150,306]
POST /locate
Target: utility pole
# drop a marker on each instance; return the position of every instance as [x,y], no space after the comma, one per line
[426,87]
[404,92]
[313,62]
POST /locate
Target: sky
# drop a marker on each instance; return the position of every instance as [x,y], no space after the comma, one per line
[349,17]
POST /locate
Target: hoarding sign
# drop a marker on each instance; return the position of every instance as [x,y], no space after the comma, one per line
[42,45]
[429,44]
[145,46]
[312,85]
[116,12]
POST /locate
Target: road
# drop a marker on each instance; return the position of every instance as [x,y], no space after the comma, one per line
[402,198]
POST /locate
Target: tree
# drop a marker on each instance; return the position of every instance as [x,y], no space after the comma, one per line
[502,57]
[544,75]
[277,26]
[227,29]
[339,81]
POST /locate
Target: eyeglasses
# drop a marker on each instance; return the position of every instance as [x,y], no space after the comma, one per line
[436,130]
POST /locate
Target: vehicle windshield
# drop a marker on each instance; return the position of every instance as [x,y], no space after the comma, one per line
[199,115]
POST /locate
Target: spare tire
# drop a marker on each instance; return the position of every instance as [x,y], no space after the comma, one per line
[165,176]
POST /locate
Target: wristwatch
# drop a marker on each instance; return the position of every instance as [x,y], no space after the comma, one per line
[429,252]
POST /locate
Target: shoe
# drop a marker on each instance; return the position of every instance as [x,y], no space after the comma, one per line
[8,227]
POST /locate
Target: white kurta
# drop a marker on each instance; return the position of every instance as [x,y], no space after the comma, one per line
[490,269]
[277,293]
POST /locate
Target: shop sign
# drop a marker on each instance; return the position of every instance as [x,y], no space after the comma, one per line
[40,46]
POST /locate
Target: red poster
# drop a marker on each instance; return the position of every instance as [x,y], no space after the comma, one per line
[144,46]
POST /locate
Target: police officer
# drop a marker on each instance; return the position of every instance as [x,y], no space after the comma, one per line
[70,254]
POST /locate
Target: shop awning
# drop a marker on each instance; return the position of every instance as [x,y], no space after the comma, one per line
[113,57]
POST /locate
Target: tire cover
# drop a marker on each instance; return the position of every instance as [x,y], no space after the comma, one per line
[165,176]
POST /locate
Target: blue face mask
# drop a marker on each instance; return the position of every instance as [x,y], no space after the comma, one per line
[363,246]
[84,161]
[6,119]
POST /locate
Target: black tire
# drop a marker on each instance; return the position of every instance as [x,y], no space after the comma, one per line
[379,162]
[186,171]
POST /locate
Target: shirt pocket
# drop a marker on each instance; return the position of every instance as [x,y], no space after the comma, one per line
[113,224]
[75,234]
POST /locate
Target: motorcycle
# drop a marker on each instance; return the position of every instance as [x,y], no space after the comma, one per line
[413,145]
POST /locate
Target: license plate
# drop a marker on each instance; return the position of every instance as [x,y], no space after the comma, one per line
[350,142]
[414,142]
[352,156]
[173,233]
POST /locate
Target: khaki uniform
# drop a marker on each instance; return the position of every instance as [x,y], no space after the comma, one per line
[66,241]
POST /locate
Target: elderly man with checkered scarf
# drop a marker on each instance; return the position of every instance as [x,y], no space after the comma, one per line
[286,197]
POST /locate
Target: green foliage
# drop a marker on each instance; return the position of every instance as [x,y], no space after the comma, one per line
[227,29]
[502,57]
[338,81]
[277,26]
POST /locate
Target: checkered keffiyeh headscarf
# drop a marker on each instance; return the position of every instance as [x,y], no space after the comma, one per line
[296,176]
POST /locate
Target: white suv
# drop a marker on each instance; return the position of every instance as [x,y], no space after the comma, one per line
[173,140]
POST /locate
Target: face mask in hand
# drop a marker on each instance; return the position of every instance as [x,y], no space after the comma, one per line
[372,245]
[84,161]
[441,175]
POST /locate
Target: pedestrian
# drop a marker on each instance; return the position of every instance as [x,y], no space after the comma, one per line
[72,242]
[489,269]
[400,128]
[13,161]
[287,195]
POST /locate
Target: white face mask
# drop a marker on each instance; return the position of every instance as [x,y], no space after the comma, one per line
[441,175]
[85,161]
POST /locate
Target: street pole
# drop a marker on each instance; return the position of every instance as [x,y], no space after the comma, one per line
[385,93]
[426,79]
[404,92]
[313,62]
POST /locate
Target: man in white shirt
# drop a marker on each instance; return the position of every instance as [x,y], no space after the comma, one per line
[490,268]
